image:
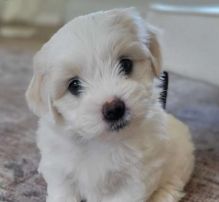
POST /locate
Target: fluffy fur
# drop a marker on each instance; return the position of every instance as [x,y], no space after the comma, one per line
[151,159]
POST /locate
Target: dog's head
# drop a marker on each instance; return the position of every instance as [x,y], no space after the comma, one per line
[95,75]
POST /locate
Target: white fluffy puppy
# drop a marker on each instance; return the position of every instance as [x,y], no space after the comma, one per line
[102,134]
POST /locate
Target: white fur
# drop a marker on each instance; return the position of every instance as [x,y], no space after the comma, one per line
[151,159]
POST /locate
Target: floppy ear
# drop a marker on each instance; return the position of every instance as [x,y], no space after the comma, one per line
[154,48]
[38,98]
[34,94]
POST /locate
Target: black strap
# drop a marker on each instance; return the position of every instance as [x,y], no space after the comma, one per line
[164,78]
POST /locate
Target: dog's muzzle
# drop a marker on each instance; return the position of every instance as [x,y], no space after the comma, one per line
[114,111]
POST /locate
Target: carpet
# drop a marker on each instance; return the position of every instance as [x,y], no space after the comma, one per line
[194,102]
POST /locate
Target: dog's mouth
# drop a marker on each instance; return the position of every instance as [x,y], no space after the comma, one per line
[118,125]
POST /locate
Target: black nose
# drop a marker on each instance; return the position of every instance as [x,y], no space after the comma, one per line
[113,110]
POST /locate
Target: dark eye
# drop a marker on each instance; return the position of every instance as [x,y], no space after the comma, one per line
[126,65]
[75,86]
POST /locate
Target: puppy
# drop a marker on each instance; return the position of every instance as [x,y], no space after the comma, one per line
[103,134]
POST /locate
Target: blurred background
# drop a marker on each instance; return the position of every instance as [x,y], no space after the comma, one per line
[190,37]
[190,45]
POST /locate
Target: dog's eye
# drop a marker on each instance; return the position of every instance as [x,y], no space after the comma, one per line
[126,65]
[75,86]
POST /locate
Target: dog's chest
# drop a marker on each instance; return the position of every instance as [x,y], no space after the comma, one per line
[98,167]
[95,167]
[104,166]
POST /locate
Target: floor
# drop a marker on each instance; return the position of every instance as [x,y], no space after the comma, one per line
[194,102]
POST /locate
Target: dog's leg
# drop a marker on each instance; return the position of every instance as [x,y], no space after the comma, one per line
[180,164]
[59,187]
[172,190]
[131,193]
[167,193]
[62,193]
[61,197]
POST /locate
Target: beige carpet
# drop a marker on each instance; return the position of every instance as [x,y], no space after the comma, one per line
[194,102]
